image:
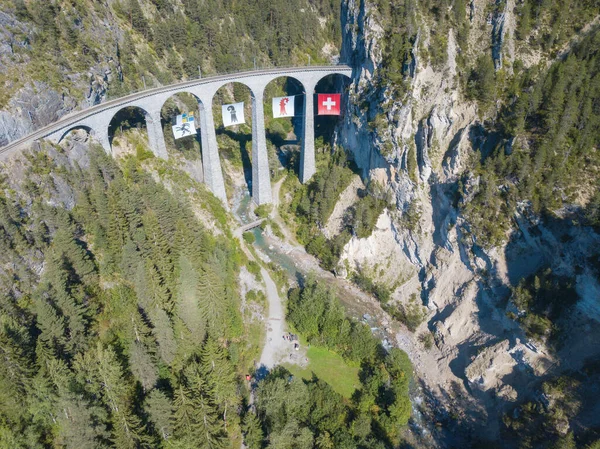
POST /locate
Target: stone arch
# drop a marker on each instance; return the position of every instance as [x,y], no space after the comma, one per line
[140,115]
[64,134]
[343,75]
[284,135]
[234,143]
[233,80]
[184,91]
[330,83]
[190,145]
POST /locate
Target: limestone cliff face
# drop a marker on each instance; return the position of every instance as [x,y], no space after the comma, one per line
[33,104]
[464,287]
[427,124]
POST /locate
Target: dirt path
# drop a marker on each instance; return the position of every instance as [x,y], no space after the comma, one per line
[275,347]
[275,193]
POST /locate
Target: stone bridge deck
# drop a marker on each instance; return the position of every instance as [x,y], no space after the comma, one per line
[98,118]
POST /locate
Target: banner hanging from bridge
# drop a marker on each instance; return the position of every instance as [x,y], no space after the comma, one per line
[329,104]
[284,106]
[184,125]
[233,114]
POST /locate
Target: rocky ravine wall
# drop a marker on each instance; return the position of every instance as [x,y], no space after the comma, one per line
[481,363]
[34,104]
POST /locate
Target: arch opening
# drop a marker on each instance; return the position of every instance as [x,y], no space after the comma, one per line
[234,141]
[68,134]
[183,137]
[325,124]
[284,134]
[125,131]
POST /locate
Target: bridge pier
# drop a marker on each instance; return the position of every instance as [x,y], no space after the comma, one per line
[307,155]
[213,175]
[156,138]
[102,137]
[261,179]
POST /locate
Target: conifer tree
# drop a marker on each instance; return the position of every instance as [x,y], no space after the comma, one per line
[253,433]
[211,295]
[163,331]
[81,424]
[188,308]
[142,366]
[127,427]
[51,325]
[15,372]
[219,374]
[160,410]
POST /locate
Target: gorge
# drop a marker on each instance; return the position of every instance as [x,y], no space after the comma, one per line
[451,224]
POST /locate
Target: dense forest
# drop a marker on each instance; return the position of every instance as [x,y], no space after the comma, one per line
[158,42]
[121,326]
[543,147]
[120,323]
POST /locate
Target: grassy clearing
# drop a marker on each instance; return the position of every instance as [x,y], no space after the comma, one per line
[331,368]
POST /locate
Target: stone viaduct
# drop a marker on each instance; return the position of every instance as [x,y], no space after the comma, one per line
[96,121]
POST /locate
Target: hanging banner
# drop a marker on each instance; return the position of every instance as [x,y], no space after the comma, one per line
[329,104]
[283,106]
[233,114]
[184,125]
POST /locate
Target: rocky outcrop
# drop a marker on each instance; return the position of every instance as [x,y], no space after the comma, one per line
[14,35]
[503,28]
[360,48]
[32,107]
[347,199]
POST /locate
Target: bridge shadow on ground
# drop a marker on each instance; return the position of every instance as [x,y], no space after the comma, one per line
[288,151]
[242,140]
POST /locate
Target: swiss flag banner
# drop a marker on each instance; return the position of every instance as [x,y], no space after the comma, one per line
[329,104]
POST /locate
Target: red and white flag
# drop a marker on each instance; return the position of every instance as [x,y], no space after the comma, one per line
[283,107]
[329,104]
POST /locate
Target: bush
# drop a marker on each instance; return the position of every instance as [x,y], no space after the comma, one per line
[257,296]
[482,84]
[249,237]
[543,299]
[365,213]
[380,291]
[426,338]
[254,268]
[411,314]
[328,251]
[263,210]
[276,229]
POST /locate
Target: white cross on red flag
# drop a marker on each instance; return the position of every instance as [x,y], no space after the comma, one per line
[329,104]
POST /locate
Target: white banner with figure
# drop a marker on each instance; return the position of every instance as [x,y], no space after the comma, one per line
[283,106]
[184,126]
[233,114]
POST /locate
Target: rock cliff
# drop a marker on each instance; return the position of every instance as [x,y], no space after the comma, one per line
[482,359]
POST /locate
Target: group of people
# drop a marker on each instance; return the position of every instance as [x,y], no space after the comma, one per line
[293,339]
[290,337]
